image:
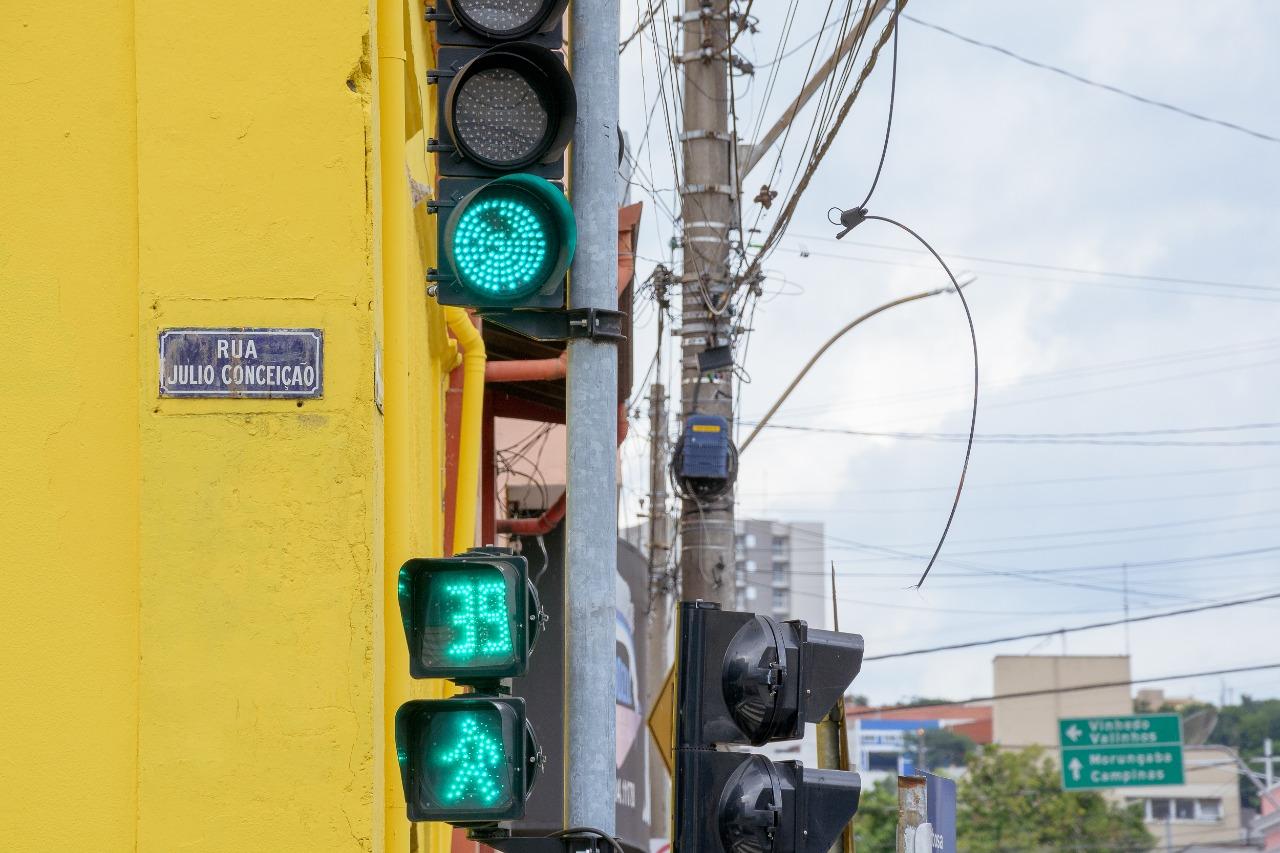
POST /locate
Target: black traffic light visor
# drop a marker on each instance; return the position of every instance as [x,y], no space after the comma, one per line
[508,19]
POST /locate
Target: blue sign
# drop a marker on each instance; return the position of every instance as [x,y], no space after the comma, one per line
[279,363]
[940,808]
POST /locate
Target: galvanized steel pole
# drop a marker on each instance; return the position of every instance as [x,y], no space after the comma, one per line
[591,522]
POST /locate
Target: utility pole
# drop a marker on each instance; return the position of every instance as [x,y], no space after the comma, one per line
[660,586]
[708,211]
[591,520]
[1268,760]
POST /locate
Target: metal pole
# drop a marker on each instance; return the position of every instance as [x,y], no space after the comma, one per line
[1168,828]
[591,521]
[708,211]
[659,615]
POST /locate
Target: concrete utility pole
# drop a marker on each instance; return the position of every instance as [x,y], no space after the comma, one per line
[708,211]
[591,410]
[660,586]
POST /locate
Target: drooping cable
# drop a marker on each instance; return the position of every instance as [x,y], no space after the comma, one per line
[851,219]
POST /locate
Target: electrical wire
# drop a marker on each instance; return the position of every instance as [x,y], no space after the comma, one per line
[1266,137]
[893,90]
[1090,627]
[642,24]
[973,415]
[784,218]
[1024,694]
[1023,439]
[590,830]
[986,259]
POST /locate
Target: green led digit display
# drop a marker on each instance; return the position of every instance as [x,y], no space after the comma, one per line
[469,618]
[475,604]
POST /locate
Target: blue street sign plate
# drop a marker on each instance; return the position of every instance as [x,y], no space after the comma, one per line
[940,808]
[276,363]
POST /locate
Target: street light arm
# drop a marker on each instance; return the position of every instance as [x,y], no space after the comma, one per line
[826,346]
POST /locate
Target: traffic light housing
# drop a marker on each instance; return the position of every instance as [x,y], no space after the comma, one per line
[466,760]
[739,802]
[505,110]
[746,679]
[472,618]
[469,760]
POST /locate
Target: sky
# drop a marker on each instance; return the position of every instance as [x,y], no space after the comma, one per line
[990,158]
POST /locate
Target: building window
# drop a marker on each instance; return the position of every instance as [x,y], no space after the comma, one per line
[751,566]
[751,593]
[780,601]
[1158,810]
[750,539]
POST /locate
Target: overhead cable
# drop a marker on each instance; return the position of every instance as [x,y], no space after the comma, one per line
[1090,627]
[1099,685]
[1096,84]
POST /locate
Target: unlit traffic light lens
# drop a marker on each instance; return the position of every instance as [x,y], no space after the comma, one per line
[503,18]
[499,117]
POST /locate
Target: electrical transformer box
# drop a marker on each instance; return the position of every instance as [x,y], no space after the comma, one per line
[706,448]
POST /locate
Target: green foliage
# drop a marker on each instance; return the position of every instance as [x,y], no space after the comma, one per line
[1244,727]
[876,823]
[1013,801]
[942,748]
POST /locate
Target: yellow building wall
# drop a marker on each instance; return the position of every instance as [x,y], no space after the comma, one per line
[197,647]
[69,343]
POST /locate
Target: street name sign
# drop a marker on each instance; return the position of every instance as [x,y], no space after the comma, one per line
[236,362]
[1121,752]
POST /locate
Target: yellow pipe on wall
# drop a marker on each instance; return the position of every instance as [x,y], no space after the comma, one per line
[466,497]
[394,209]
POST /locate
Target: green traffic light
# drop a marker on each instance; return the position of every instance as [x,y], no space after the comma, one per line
[501,246]
[466,760]
[471,759]
[508,240]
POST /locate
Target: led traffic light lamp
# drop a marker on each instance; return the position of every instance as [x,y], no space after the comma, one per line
[747,679]
[473,618]
[505,109]
[469,760]
[482,21]
[507,243]
[466,760]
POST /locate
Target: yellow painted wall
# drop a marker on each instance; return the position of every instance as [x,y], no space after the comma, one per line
[69,343]
[193,589]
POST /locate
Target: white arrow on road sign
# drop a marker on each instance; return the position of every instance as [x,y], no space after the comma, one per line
[1075,766]
[1074,732]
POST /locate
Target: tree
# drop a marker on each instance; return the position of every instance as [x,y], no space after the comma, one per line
[876,823]
[1013,801]
[1244,727]
[942,748]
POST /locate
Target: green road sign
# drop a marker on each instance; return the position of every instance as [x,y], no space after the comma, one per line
[1121,752]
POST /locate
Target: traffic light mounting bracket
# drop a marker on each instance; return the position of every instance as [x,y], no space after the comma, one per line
[574,323]
[569,842]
